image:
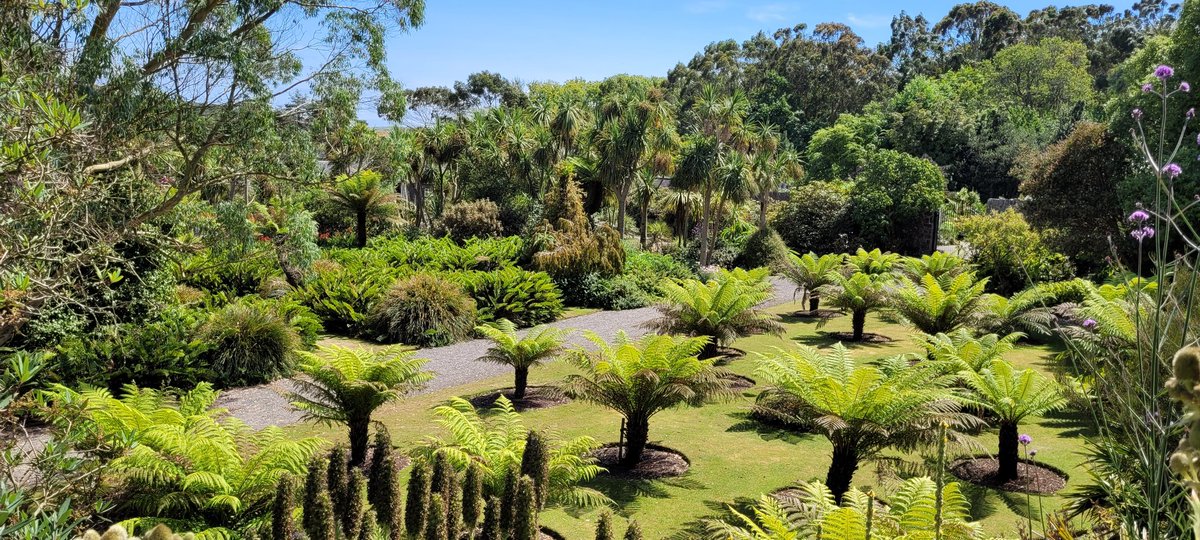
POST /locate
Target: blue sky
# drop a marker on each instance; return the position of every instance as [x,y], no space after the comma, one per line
[540,40]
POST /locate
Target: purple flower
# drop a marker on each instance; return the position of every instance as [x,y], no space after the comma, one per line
[1138,216]
[1024,439]
[1032,453]
[1136,114]
[1144,233]
[1191,114]
[1172,170]
[1185,87]
[1164,72]
[1090,324]
[1147,88]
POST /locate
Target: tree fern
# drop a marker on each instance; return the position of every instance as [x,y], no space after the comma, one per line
[810,272]
[522,353]
[720,309]
[961,350]
[1011,396]
[933,305]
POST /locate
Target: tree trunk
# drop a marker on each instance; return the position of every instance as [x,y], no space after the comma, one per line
[1008,451]
[858,319]
[360,232]
[359,428]
[520,383]
[762,211]
[637,433]
[645,222]
[622,205]
[419,202]
[814,302]
[705,216]
[841,469]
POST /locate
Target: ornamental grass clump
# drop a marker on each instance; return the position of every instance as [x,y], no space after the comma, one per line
[423,310]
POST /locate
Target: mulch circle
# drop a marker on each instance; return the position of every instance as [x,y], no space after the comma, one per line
[868,337]
[817,314]
[657,462]
[739,382]
[1032,478]
[536,397]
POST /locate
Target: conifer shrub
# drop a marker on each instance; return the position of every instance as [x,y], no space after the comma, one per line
[416,507]
[472,219]
[282,524]
[525,522]
[423,310]
[763,248]
[535,464]
[565,243]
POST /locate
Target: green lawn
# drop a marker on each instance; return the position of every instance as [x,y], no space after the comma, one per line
[735,461]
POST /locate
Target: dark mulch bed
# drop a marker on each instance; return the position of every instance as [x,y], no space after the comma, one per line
[739,382]
[867,337]
[536,397]
[1032,478]
[816,314]
[657,462]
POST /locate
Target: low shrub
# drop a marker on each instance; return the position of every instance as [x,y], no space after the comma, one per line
[816,218]
[646,270]
[605,292]
[306,323]
[251,343]
[525,298]
[764,248]
[163,352]
[423,310]
[238,278]
[1005,249]
[342,296]
[432,254]
[472,219]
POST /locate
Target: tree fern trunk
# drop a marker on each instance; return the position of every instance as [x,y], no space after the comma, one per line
[521,381]
[360,238]
[637,433]
[359,429]
[814,302]
[842,469]
[858,319]
[1008,451]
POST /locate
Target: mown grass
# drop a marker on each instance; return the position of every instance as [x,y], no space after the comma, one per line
[734,460]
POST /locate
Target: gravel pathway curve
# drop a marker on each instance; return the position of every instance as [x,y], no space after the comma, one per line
[453,365]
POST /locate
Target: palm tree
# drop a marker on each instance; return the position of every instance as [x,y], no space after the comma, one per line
[345,386]
[363,194]
[810,511]
[860,293]
[719,309]
[638,379]
[522,353]
[936,305]
[645,188]
[770,166]
[810,272]
[1011,396]
[862,409]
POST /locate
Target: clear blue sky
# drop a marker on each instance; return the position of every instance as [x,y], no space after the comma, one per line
[557,40]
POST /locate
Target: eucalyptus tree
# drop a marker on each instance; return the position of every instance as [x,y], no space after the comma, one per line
[119,112]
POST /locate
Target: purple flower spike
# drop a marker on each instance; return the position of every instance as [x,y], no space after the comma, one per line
[1172,170]
[1147,88]
[1138,216]
[1024,439]
[1164,72]
[1185,87]
[1090,324]
[1136,114]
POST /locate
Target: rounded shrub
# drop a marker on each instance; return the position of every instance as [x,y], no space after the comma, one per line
[423,310]
[249,343]
[525,298]
[763,248]
[472,219]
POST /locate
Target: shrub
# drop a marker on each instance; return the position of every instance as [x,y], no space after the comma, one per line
[816,219]
[342,296]
[161,353]
[423,310]
[525,298]
[472,219]
[1010,253]
[215,274]
[646,270]
[764,248]
[566,244]
[604,292]
[251,343]
[894,195]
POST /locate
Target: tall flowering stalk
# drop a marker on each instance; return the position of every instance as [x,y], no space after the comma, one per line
[1132,411]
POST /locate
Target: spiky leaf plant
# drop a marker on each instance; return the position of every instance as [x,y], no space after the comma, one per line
[345,386]
[863,409]
[521,352]
[423,310]
[640,378]
[496,442]
[187,459]
[1011,396]
[525,522]
[934,305]
[720,309]
[416,507]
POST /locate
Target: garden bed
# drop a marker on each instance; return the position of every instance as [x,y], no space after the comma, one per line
[867,337]
[1032,477]
[657,462]
[536,397]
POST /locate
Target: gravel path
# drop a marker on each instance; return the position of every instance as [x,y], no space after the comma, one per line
[454,365]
